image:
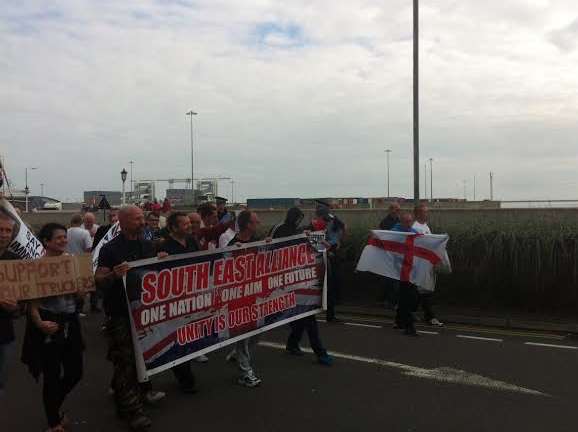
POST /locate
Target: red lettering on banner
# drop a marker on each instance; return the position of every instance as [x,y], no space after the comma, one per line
[293,257]
[302,255]
[178,286]
[285,261]
[250,266]
[311,256]
[164,285]
[228,275]
[260,265]
[240,273]
[189,276]
[202,276]
[217,272]
[221,323]
[268,263]
[149,288]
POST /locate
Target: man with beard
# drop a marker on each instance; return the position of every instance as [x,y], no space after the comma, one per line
[112,267]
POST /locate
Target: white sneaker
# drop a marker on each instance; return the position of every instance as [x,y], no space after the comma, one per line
[153,396]
[249,381]
[436,322]
[202,359]
[81,315]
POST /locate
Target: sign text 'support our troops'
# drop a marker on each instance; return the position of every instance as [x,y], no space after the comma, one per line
[180,291]
[45,277]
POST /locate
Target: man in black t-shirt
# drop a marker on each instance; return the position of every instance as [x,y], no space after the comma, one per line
[289,228]
[392,217]
[112,266]
[7,308]
[180,241]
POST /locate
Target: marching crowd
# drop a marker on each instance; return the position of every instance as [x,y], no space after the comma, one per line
[53,344]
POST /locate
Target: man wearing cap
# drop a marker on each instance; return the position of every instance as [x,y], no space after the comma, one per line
[222,212]
[334,232]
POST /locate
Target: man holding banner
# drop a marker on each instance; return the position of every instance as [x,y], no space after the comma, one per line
[248,222]
[180,241]
[112,267]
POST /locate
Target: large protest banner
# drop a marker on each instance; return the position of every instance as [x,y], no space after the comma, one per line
[187,305]
[45,277]
[24,243]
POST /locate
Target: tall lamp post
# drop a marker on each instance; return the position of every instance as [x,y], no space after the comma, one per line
[123,174]
[191,113]
[131,181]
[430,179]
[387,153]
[416,101]
[232,191]
[26,188]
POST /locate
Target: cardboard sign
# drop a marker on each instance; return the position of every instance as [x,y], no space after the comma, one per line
[45,277]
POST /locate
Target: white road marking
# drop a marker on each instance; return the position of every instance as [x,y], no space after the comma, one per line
[480,338]
[362,325]
[321,320]
[428,332]
[551,345]
[443,374]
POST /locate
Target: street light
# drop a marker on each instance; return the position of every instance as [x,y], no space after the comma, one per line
[232,191]
[416,102]
[42,189]
[191,113]
[131,181]
[123,174]
[430,179]
[387,153]
[26,188]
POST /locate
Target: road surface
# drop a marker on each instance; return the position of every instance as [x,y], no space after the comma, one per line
[452,379]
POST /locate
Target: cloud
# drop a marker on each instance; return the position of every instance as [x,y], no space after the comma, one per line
[566,37]
[294,98]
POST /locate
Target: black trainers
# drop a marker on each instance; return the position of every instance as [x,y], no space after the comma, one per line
[410,331]
[140,422]
[295,351]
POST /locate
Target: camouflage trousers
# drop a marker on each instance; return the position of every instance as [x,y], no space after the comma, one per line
[127,390]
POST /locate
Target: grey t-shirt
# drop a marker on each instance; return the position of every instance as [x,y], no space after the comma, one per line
[79,241]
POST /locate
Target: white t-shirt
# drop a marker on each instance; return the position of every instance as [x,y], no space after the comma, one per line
[79,241]
[91,231]
[421,228]
[226,237]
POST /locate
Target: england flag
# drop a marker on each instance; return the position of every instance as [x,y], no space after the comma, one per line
[407,257]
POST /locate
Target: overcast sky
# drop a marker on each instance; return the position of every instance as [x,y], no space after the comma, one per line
[295,98]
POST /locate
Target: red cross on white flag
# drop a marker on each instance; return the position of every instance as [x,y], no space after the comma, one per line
[406,257]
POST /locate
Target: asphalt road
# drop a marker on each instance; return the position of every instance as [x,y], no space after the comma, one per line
[453,379]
